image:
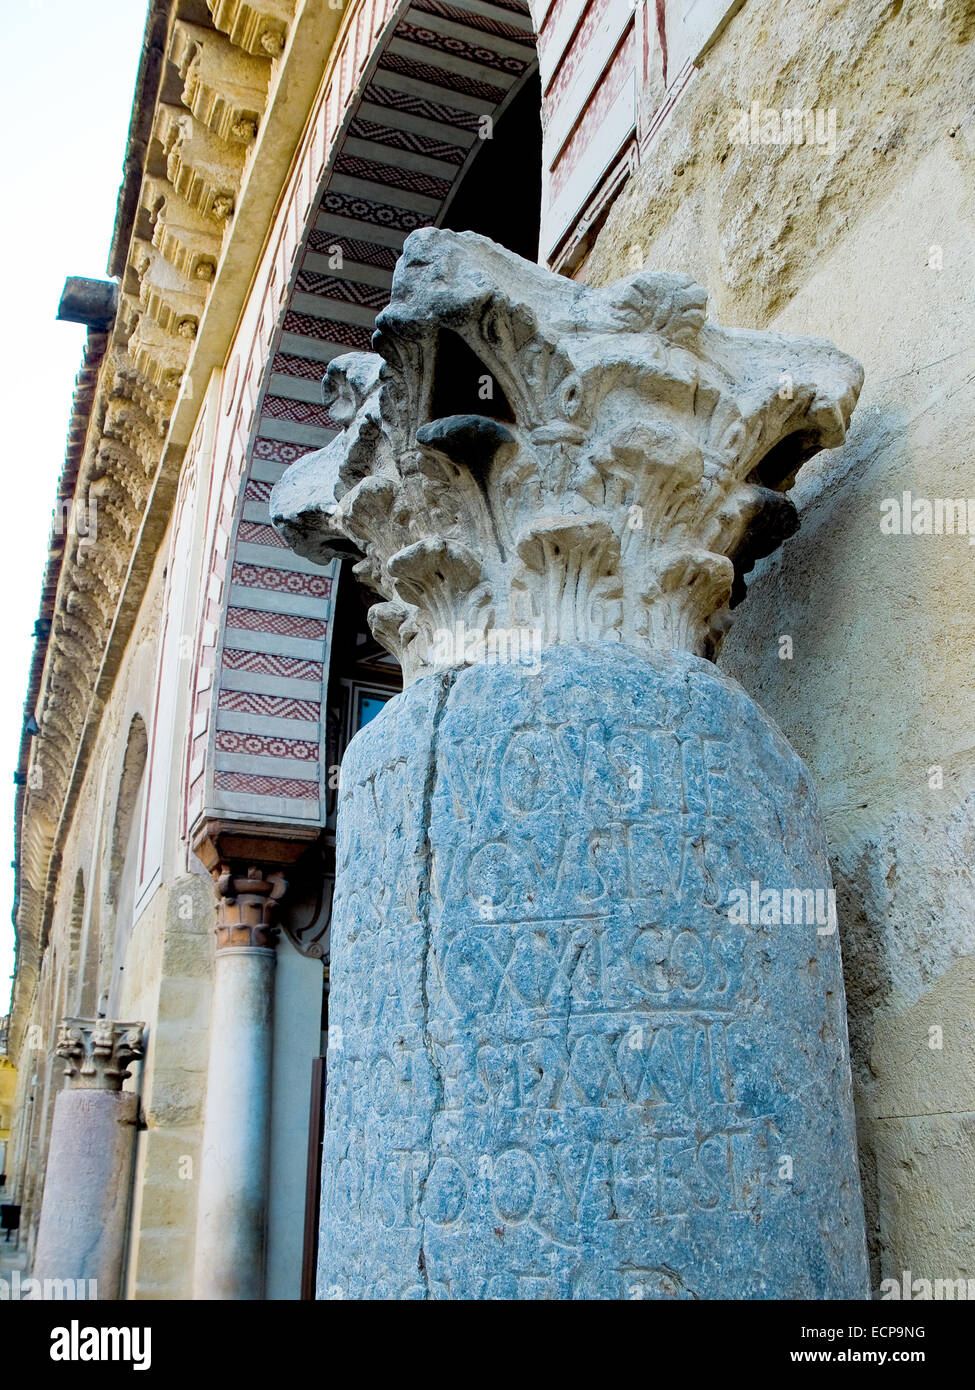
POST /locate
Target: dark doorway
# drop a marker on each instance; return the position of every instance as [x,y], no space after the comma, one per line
[500,195]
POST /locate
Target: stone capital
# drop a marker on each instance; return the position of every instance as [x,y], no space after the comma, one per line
[251,864]
[98,1052]
[523,452]
[248,906]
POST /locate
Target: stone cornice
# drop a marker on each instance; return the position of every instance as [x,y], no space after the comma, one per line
[173,329]
[151,62]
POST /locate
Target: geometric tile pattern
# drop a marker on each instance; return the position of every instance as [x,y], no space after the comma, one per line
[417,70]
[304,368]
[351,335]
[388,176]
[355,249]
[260,533]
[473,20]
[277,451]
[281,624]
[461,48]
[397,139]
[257,491]
[263,746]
[274,706]
[252,784]
[285,581]
[330,287]
[409,103]
[301,412]
[381,214]
[268,664]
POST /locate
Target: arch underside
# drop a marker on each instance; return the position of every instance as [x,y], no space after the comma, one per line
[410,134]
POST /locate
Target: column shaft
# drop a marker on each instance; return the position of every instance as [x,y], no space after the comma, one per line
[232,1207]
[84,1212]
[230,1239]
[85,1208]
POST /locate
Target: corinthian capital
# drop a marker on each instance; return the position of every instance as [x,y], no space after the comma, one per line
[98,1052]
[593,464]
[247,913]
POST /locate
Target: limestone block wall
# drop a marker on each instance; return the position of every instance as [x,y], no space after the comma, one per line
[79,965]
[147,956]
[168,959]
[864,236]
[178,1001]
[151,953]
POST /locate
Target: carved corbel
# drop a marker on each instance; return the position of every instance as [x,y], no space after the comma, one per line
[188,239]
[203,169]
[161,356]
[224,88]
[169,297]
[256,26]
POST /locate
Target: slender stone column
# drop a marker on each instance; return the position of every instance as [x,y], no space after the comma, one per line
[232,1211]
[84,1212]
[587,1020]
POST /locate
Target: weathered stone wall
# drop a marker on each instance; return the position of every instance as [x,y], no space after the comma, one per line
[164,981]
[71,954]
[870,243]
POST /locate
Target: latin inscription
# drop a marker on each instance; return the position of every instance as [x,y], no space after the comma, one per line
[549,1066]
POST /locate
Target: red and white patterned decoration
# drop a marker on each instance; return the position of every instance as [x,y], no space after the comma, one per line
[396,123]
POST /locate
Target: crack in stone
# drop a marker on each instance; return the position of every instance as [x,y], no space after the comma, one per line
[446,681]
[925,1115]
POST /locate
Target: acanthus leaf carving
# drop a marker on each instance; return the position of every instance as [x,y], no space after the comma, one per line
[631,467]
[99,1052]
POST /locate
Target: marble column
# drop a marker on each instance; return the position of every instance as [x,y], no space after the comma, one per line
[85,1208]
[232,1210]
[587,1021]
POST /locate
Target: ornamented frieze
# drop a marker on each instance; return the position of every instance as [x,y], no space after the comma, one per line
[171,235]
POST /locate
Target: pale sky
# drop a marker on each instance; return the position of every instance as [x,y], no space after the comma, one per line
[68,85]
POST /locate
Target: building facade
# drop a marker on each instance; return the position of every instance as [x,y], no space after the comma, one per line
[8,1087]
[195,682]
